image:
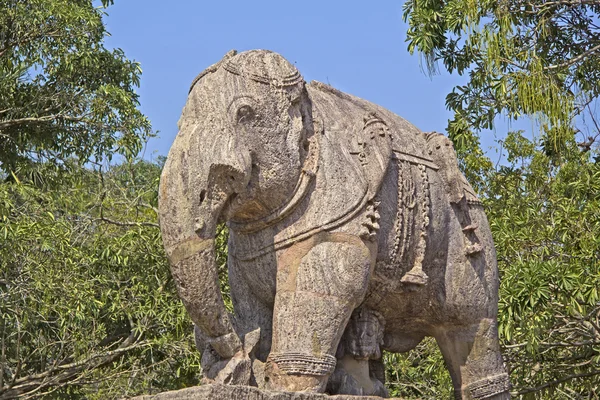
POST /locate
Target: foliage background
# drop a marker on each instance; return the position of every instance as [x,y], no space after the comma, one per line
[88,306]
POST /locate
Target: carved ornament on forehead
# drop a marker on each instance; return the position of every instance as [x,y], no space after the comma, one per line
[372,119]
[264,67]
[213,68]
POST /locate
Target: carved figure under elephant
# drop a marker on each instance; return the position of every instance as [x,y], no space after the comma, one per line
[351,232]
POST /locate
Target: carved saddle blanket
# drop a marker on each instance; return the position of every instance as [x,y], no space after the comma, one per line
[355,141]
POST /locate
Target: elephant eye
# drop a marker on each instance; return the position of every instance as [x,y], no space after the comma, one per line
[244,114]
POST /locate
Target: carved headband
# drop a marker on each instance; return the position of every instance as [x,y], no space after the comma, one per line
[232,66]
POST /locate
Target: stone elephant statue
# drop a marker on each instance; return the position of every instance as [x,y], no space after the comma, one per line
[351,232]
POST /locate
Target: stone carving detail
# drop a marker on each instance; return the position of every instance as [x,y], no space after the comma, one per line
[460,193]
[371,223]
[351,233]
[490,387]
[406,201]
[411,221]
[303,364]
[364,334]
[416,275]
[360,355]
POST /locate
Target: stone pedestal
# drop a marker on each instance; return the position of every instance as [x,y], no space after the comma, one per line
[227,392]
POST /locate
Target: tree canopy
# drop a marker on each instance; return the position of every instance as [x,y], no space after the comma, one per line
[62,93]
[534,58]
[88,308]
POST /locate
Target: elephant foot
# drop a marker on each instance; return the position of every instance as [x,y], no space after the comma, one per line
[472,354]
[415,276]
[235,370]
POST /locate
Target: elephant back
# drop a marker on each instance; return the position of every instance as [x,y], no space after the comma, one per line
[344,116]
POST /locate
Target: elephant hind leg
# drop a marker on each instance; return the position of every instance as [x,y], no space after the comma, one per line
[472,355]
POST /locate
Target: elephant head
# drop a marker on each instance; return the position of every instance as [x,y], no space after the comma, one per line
[238,156]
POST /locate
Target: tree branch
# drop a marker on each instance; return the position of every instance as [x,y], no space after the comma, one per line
[574,59]
[556,382]
[547,4]
[35,120]
[63,373]
[29,39]
[119,223]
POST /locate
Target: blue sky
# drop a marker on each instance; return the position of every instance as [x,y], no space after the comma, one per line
[355,46]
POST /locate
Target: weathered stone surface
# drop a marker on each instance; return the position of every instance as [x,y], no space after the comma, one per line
[351,232]
[228,392]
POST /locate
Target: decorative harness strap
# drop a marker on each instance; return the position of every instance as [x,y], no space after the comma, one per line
[309,171]
[308,175]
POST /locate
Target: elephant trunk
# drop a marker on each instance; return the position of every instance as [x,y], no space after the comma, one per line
[191,203]
[195,272]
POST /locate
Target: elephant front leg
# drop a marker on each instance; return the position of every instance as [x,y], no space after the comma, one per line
[319,283]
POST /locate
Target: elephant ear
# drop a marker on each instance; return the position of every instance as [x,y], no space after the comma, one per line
[373,144]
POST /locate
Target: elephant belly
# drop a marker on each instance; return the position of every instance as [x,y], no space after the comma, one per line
[413,237]
[414,215]
[420,230]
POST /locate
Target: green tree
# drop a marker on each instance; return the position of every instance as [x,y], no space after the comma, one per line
[533,58]
[88,308]
[418,374]
[546,225]
[62,93]
[537,59]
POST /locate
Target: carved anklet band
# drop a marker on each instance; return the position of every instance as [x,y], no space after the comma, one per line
[304,364]
[489,386]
